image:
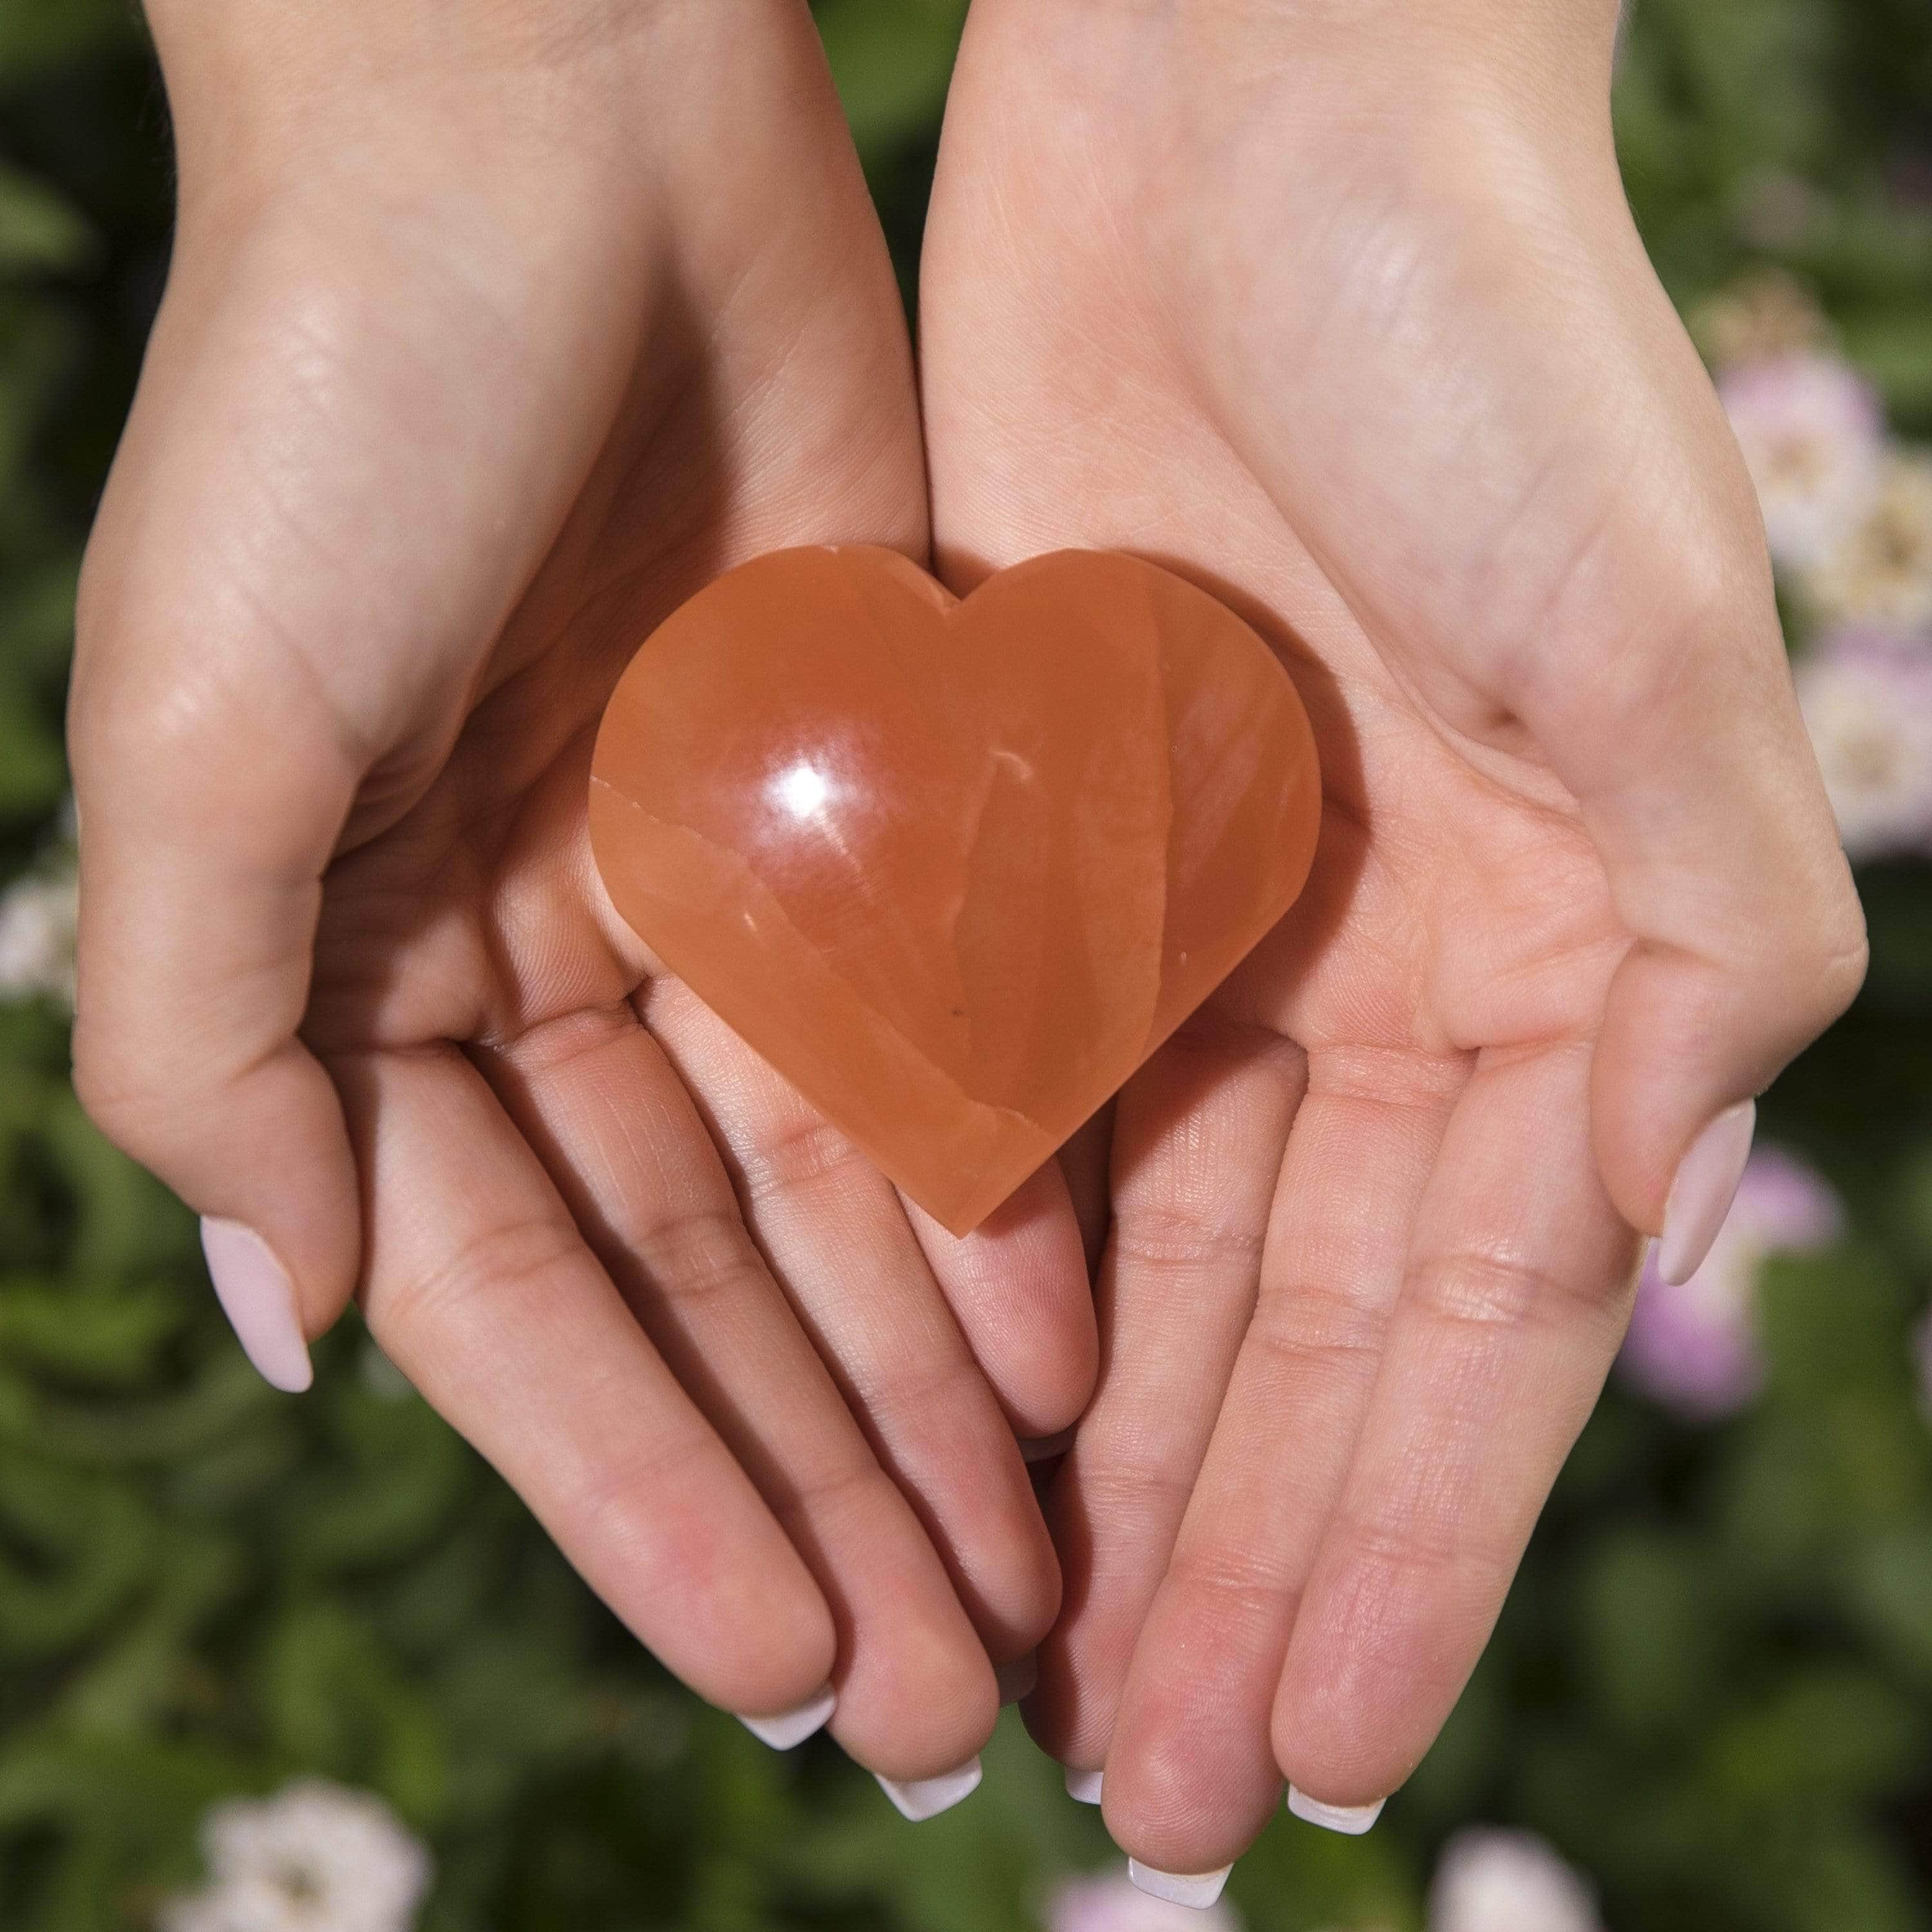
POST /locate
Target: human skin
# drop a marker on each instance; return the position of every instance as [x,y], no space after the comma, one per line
[492,333]
[1341,311]
[469,370]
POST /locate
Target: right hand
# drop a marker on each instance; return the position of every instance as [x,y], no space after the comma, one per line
[1340,309]
[493,334]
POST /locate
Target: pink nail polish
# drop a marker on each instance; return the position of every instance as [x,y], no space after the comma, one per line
[259,1299]
[1700,1197]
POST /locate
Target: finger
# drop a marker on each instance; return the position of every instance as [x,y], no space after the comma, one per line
[1192,1777]
[594,1095]
[1515,1300]
[1198,1146]
[839,1242]
[480,1290]
[1085,1160]
[1017,1287]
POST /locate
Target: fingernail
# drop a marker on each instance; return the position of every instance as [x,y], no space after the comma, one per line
[1016,1680]
[1083,1786]
[1700,1196]
[792,1727]
[1355,1819]
[1199,1889]
[1044,1448]
[259,1299]
[918,1798]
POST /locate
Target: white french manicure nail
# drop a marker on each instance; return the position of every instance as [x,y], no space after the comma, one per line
[259,1299]
[1354,1820]
[1083,1786]
[918,1798]
[1016,1680]
[1700,1196]
[792,1727]
[1043,1448]
[1199,1889]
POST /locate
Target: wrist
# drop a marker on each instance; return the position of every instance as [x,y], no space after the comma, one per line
[256,88]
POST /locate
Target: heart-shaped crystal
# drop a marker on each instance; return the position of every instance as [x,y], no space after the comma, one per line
[955,868]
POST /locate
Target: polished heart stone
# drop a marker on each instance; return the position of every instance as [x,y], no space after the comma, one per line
[955,868]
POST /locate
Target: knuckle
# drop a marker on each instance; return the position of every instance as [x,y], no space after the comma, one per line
[1165,1239]
[1243,1585]
[519,1259]
[700,1255]
[1411,1546]
[809,1152]
[1844,955]
[933,1401]
[1136,1485]
[120,1089]
[1315,1327]
[1467,1288]
[849,1496]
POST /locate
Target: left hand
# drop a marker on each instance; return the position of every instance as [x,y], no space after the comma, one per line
[1342,313]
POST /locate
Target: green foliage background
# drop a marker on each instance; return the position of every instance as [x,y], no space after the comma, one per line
[1713,1684]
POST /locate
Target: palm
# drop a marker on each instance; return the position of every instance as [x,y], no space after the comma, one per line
[1334,1193]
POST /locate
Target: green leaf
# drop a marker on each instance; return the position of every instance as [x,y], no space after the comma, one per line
[1651,1636]
[1828,1734]
[39,232]
[891,60]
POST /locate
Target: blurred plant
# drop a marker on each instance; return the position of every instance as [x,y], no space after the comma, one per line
[37,930]
[1110,1902]
[1813,435]
[314,1859]
[1867,699]
[1491,1881]
[1877,569]
[1695,1348]
[1712,1688]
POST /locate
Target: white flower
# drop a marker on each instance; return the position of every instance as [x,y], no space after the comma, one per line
[314,1859]
[1111,1902]
[37,928]
[1868,704]
[1813,436]
[1878,570]
[1491,1881]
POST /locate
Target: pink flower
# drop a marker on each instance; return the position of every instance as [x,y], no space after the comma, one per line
[1812,435]
[1110,1902]
[1867,699]
[1695,1348]
[1878,568]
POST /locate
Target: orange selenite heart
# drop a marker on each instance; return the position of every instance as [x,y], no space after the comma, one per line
[955,869]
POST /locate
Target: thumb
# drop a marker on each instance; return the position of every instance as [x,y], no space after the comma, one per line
[1697,782]
[326,502]
[202,862]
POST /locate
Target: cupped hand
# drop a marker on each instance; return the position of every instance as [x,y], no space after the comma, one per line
[1341,311]
[492,333]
